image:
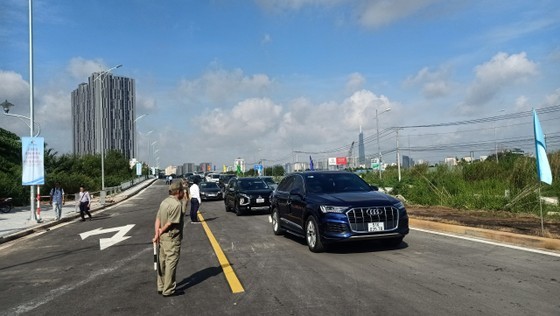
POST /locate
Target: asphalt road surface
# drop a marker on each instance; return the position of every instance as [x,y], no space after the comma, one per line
[59,273]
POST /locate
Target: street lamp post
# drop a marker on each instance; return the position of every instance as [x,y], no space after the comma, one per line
[151,153]
[378,145]
[136,153]
[31,95]
[101,140]
[6,107]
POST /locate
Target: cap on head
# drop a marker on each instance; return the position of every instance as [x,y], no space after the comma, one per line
[175,186]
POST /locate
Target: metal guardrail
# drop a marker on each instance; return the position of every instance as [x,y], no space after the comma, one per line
[109,190]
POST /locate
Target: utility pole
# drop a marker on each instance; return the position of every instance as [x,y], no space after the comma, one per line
[398,156]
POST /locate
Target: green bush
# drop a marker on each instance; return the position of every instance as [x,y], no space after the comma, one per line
[510,184]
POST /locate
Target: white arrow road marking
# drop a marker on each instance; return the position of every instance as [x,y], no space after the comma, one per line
[108,242]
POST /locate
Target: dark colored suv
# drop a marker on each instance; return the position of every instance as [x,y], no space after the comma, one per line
[224,179]
[247,194]
[333,206]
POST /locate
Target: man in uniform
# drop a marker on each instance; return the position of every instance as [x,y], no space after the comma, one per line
[169,233]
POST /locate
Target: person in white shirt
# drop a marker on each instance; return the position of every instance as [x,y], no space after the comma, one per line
[85,203]
[194,193]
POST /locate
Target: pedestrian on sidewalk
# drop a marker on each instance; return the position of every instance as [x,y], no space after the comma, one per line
[169,234]
[57,200]
[194,192]
[85,203]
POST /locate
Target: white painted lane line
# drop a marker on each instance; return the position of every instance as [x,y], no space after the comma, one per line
[543,252]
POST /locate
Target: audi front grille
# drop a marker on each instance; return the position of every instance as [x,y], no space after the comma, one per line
[369,219]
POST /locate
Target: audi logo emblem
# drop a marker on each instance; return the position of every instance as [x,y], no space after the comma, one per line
[374,212]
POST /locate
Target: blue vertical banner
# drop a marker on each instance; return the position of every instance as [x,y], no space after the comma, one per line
[138,169]
[311,166]
[543,167]
[33,158]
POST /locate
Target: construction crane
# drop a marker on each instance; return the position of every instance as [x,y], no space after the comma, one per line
[350,153]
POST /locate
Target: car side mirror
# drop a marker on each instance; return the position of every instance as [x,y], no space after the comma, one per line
[374,187]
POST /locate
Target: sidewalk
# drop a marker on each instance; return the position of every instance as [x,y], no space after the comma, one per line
[17,223]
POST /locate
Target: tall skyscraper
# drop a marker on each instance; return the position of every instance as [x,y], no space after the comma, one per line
[118,96]
[361,149]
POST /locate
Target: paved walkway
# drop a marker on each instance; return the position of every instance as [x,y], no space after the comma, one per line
[18,223]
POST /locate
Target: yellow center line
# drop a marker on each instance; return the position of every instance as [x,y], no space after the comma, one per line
[231,277]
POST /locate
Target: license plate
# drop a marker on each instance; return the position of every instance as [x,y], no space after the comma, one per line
[376,226]
[260,200]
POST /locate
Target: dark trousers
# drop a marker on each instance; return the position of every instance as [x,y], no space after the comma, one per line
[84,209]
[194,210]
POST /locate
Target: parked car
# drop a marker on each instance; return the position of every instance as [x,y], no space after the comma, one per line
[270,182]
[212,177]
[247,194]
[326,207]
[192,177]
[224,179]
[210,191]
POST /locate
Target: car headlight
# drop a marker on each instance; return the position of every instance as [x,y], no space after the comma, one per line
[244,199]
[400,206]
[332,209]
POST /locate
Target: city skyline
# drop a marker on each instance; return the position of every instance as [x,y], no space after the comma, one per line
[263,79]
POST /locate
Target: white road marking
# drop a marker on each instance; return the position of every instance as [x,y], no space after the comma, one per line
[108,242]
[543,252]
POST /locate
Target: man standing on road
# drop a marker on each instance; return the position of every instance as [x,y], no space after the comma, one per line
[169,233]
[57,200]
[195,200]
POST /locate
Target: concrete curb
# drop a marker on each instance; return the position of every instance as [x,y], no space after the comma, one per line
[48,225]
[510,238]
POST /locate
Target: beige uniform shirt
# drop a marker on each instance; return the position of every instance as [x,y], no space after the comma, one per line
[171,210]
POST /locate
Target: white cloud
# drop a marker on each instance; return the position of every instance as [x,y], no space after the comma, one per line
[281,5]
[370,13]
[13,87]
[219,85]
[360,108]
[553,98]
[380,13]
[260,124]
[249,117]
[500,72]
[434,83]
[355,82]
[80,68]
[522,104]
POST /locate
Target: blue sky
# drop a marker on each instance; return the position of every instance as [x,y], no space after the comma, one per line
[264,78]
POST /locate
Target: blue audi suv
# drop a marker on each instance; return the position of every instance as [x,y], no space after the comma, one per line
[325,207]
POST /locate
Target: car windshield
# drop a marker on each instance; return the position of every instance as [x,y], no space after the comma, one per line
[269,180]
[208,185]
[335,183]
[256,184]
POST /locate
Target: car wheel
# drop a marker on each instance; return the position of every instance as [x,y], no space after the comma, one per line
[276,228]
[237,210]
[393,242]
[312,235]
[228,209]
